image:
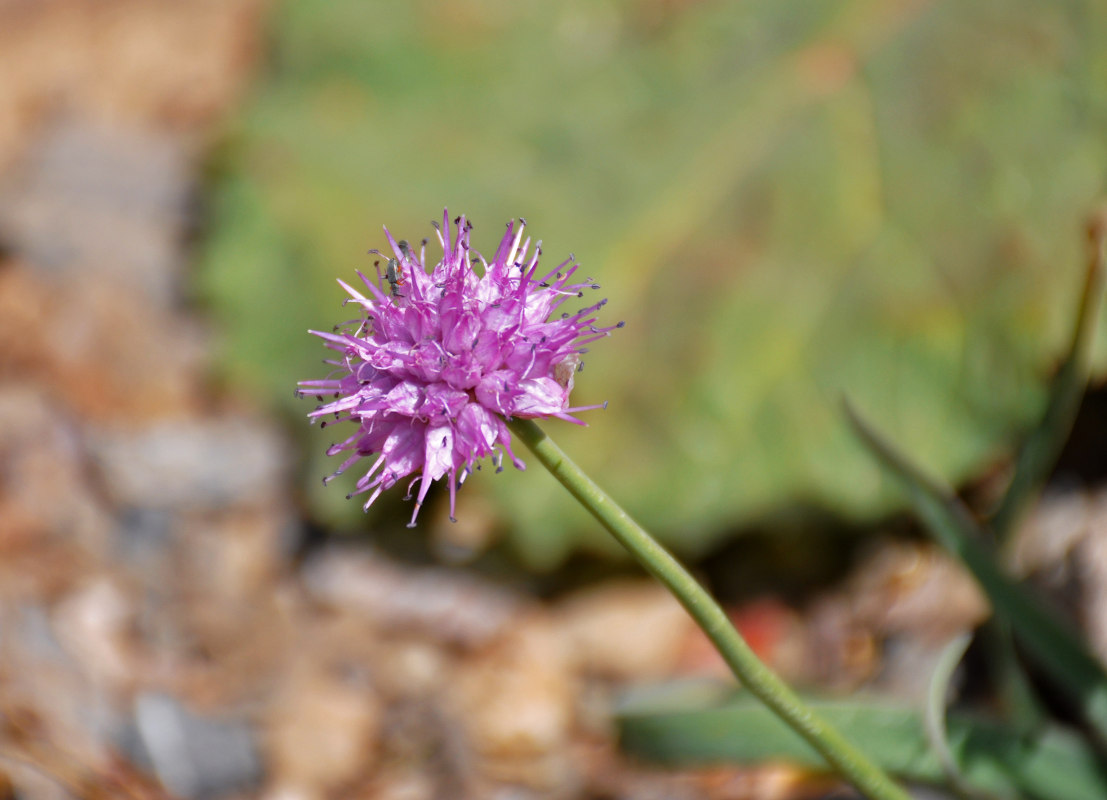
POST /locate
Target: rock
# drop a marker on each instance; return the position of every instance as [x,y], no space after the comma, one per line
[93,624]
[195,756]
[100,203]
[191,464]
[905,602]
[452,606]
[1051,531]
[100,351]
[1062,548]
[323,731]
[515,707]
[411,784]
[917,588]
[142,539]
[282,792]
[236,555]
[48,693]
[46,498]
[628,630]
[410,669]
[1093,573]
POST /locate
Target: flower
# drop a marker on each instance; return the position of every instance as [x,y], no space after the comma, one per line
[440,360]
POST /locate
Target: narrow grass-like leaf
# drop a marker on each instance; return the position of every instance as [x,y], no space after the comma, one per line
[1019,703]
[1056,765]
[1048,639]
[1039,453]
[1036,459]
[934,717]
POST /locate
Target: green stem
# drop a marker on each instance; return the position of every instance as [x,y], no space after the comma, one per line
[850,762]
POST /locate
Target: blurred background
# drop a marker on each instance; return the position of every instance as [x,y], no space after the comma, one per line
[787,202]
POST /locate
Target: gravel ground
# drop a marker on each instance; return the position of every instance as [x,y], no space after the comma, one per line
[160,639]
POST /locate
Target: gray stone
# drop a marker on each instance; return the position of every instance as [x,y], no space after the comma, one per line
[191,464]
[97,201]
[450,605]
[192,755]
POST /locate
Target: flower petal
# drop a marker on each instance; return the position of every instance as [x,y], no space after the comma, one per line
[442,355]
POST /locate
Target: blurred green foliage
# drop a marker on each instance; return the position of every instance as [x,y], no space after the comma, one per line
[786,201]
[996,761]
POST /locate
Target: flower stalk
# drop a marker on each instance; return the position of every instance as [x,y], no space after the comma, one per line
[850,762]
[441,367]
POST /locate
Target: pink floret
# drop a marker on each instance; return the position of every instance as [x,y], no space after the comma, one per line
[442,357]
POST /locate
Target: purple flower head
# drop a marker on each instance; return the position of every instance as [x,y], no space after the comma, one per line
[439,359]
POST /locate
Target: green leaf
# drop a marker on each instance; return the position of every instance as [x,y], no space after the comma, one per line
[1053,643]
[783,199]
[1054,765]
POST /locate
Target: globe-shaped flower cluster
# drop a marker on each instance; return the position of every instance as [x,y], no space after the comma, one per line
[440,359]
